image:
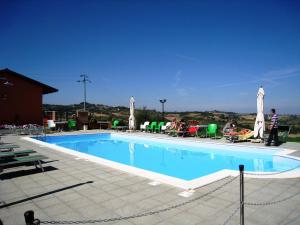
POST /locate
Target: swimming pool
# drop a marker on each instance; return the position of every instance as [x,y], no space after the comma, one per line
[182,160]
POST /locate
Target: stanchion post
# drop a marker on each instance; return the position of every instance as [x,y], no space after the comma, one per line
[241,167]
[29,218]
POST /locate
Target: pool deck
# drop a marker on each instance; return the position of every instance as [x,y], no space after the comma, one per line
[114,193]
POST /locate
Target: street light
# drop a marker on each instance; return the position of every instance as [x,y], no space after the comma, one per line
[163,101]
[84,80]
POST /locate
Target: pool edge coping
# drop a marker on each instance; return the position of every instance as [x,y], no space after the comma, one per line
[173,181]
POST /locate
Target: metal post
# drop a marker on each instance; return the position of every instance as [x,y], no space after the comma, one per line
[84,80]
[163,101]
[84,90]
[29,218]
[241,167]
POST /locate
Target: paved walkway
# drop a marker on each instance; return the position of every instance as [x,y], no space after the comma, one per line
[62,193]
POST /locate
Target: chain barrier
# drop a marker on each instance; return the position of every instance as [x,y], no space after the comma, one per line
[271,203]
[230,217]
[153,212]
[141,214]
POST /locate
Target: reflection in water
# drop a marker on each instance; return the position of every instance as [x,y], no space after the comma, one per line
[163,163]
[258,165]
[131,152]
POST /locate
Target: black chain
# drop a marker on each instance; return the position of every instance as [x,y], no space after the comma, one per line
[271,203]
[141,214]
[232,214]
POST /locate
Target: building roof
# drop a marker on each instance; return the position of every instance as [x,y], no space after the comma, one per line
[46,89]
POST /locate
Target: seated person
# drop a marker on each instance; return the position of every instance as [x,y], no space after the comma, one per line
[173,124]
[229,128]
[182,127]
[172,128]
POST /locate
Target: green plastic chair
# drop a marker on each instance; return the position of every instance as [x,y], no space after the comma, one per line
[158,127]
[115,124]
[71,124]
[152,126]
[211,130]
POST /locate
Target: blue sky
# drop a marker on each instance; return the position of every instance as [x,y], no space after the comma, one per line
[199,55]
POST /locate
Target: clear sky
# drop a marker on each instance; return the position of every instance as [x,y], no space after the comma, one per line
[199,55]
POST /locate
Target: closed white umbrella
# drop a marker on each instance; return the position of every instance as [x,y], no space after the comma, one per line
[259,126]
[131,117]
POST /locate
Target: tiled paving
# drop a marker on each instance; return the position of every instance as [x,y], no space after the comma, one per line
[114,193]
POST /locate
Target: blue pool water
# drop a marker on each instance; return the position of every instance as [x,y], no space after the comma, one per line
[186,162]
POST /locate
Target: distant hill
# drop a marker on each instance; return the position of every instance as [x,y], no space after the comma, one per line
[109,113]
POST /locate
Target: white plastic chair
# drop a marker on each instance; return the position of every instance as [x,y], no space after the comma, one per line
[144,126]
[165,127]
[51,124]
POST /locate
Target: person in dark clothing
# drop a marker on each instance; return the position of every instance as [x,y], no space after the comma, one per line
[273,129]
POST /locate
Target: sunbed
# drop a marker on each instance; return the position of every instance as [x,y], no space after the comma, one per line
[8,147]
[16,153]
[35,159]
[243,135]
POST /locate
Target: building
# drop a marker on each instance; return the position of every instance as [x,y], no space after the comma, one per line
[21,98]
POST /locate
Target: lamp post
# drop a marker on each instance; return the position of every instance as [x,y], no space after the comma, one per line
[84,81]
[163,101]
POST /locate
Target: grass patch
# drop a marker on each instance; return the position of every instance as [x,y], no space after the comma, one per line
[293,139]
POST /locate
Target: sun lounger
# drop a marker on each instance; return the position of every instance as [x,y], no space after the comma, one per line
[16,153]
[243,135]
[35,159]
[8,147]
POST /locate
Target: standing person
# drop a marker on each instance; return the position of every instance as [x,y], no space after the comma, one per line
[273,129]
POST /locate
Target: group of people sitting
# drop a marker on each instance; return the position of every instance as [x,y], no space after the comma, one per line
[230,130]
[180,126]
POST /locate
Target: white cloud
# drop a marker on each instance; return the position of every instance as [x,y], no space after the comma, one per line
[269,78]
